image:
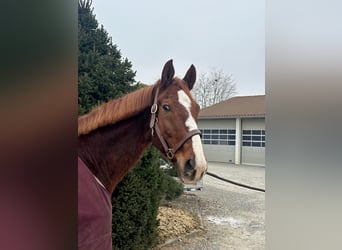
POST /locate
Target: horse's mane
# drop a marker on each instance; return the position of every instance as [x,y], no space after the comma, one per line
[116,110]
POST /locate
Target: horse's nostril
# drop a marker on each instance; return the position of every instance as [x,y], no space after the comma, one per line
[189,167]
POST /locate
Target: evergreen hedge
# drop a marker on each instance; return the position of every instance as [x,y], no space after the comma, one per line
[136,200]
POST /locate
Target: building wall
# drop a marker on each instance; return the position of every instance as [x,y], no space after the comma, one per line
[250,155]
[253,123]
[217,123]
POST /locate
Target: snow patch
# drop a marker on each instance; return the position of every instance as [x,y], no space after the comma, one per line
[234,223]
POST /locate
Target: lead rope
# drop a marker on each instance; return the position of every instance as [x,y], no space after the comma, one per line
[235,183]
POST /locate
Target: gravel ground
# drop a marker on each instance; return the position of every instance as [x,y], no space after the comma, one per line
[232,217]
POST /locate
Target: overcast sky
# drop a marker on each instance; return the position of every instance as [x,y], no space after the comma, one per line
[221,34]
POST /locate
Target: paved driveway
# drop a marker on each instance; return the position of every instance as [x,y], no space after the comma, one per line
[233,217]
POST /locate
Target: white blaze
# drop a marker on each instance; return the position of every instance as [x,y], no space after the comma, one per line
[190,123]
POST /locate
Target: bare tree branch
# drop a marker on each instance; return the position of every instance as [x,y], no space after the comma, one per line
[213,88]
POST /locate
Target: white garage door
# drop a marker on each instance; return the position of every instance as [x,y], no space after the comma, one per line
[253,147]
[219,144]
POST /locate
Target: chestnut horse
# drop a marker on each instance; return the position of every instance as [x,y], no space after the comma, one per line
[113,136]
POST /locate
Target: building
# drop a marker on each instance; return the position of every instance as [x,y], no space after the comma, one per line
[233,131]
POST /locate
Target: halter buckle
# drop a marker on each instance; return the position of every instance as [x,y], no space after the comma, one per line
[170,154]
[154,108]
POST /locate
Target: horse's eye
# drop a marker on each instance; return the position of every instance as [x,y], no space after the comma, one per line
[166,108]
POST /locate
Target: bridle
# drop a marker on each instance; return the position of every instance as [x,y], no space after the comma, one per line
[169,151]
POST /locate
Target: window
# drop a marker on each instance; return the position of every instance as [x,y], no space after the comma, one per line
[256,132]
[246,138]
[253,138]
[218,136]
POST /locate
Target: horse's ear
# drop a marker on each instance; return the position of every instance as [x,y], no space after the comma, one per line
[167,74]
[190,76]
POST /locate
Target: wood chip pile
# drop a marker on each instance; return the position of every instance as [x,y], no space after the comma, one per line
[175,222]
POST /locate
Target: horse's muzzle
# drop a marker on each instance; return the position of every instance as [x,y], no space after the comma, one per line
[192,173]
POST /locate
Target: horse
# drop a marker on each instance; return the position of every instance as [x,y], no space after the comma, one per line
[113,136]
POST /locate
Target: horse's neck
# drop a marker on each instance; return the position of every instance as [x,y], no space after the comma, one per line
[110,152]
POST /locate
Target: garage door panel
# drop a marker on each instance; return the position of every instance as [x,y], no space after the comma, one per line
[253,155]
[219,153]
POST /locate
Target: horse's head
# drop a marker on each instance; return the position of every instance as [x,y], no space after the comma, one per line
[174,124]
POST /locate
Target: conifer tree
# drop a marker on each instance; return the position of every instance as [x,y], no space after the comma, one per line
[102,72]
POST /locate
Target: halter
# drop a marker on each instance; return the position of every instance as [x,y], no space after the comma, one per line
[169,151]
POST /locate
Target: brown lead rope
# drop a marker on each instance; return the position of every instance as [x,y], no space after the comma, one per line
[235,183]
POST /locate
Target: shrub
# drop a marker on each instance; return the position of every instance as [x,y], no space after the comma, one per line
[136,200]
[135,205]
[174,189]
